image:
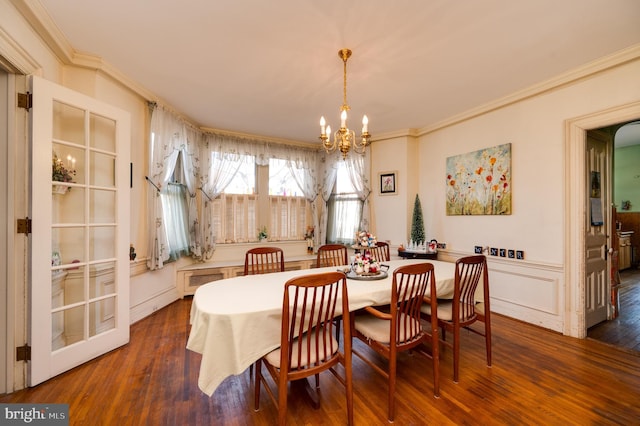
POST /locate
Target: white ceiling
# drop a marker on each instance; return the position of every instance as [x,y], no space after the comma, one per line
[271,67]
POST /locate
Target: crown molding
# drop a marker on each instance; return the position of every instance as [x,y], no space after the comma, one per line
[37,16]
[16,59]
[403,133]
[618,58]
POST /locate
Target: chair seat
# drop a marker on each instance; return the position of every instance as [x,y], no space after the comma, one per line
[378,329]
[445,311]
[273,357]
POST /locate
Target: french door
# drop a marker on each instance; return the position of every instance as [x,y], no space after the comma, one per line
[79,264]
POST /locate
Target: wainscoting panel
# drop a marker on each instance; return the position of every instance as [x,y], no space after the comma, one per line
[529,291]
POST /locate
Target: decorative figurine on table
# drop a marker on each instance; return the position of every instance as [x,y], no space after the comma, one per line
[365,239]
[365,264]
[308,235]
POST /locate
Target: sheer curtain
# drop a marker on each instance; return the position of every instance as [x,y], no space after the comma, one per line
[329,166]
[221,161]
[303,165]
[168,139]
[358,168]
[175,214]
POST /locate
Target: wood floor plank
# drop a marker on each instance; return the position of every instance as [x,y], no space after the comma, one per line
[538,377]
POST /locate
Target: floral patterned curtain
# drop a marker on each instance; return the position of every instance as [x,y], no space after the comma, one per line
[169,135]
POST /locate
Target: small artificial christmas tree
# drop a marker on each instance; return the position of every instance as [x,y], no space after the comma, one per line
[417,224]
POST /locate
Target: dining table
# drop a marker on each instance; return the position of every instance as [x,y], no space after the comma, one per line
[236,321]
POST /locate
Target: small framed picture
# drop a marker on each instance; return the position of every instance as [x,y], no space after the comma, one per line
[388,183]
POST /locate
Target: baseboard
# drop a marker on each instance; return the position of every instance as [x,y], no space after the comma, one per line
[149,306]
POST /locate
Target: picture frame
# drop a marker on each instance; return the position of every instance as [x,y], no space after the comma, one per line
[388,183]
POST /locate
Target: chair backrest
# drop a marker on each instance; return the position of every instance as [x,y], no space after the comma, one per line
[381,252]
[410,284]
[469,271]
[332,255]
[308,309]
[263,260]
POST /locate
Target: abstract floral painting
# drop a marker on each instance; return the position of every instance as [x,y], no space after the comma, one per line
[479,182]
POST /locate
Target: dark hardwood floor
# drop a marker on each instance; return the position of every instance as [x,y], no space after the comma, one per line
[538,378]
[623,331]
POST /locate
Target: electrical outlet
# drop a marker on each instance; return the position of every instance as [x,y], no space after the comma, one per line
[477,249]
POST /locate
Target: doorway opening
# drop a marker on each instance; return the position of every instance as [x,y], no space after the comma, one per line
[623,328]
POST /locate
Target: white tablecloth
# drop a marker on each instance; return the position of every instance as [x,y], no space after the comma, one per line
[236,321]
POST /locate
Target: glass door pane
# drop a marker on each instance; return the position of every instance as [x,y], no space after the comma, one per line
[79,249]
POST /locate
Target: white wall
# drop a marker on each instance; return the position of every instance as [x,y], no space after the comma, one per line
[533,289]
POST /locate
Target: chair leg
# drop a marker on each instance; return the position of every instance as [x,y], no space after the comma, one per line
[258,380]
[435,356]
[487,338]
[392,385]
[282,401]
[456,353]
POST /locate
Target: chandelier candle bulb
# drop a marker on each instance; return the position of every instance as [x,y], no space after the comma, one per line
[343,119]
[365,124]
[322,124]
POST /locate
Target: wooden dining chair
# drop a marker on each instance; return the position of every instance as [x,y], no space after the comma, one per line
[263,260]
[381,252]
[307,343]
[463,311]
[332,255]
[400,329]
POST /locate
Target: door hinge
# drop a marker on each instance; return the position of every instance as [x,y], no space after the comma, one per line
[25,100]
[23,353]
[24,226]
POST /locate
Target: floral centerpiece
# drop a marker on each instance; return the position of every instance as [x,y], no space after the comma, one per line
[365,264]
[365,239]
[60,172]
[263,234]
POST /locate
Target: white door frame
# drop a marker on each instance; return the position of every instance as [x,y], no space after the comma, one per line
[19,63]
[576,214]
[4,231]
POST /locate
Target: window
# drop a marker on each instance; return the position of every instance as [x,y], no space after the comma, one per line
[261,195]
[281,182]
[244,181]
[176,217]
[345,209]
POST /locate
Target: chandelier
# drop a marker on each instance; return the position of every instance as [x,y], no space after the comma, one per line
[344,139]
